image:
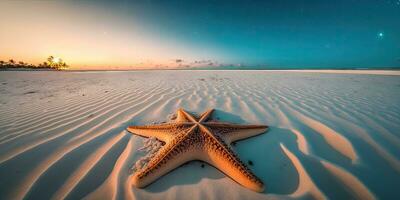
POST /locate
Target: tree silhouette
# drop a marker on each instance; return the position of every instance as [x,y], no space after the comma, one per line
[51,63]
[56,63]
[50,59]
[44,65]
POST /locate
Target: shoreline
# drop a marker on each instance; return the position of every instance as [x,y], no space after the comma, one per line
[26,69]
[393,72]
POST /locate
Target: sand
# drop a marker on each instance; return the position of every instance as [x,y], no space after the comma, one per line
[332,134]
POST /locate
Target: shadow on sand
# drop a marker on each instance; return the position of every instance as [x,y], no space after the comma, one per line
[270,163]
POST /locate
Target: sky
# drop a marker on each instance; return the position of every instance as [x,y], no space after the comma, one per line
[274,34]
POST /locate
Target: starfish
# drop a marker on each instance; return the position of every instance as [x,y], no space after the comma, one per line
[189,138]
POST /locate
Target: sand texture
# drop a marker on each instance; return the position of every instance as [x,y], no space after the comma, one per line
[331,135]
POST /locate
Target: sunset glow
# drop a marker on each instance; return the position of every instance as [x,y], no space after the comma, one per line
[100,34]
[56,60]
[87,38]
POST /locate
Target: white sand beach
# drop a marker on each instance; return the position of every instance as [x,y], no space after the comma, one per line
[332,135]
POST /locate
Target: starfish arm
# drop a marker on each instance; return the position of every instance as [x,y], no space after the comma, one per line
[220,155]
[183,114]
[205,116]
[233,132]
[175,153]
[163,132]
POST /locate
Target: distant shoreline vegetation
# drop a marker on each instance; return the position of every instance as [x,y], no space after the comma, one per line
[52,63]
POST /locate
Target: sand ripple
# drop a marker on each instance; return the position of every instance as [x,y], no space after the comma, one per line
[332,135]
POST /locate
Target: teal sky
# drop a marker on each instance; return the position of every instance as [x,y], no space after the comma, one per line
[244,34]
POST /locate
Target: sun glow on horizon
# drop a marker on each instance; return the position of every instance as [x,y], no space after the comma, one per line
[91,39]
[56,59]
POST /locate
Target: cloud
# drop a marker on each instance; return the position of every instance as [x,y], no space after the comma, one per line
[202,61]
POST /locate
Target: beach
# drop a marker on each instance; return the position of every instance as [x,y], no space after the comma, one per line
[332,134]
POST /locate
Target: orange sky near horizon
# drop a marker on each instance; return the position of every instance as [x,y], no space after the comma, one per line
[86,38]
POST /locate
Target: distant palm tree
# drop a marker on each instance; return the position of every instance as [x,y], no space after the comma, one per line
[50,59]
[56,63]
[2,62]
[21,63]
[11,63]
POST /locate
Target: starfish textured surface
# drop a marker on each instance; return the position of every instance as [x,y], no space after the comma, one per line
[197,138]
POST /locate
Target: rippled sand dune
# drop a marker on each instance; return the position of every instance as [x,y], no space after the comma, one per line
[332,135]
